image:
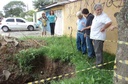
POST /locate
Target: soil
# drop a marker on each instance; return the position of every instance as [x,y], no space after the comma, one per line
[45,67]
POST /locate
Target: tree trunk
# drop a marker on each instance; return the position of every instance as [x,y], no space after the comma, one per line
[121,72]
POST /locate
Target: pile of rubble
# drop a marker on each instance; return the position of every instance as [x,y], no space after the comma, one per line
[9,46]
[7,43]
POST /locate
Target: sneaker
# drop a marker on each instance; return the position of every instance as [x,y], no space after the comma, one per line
[83,53]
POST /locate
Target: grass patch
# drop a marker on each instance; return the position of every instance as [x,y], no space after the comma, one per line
[61,48]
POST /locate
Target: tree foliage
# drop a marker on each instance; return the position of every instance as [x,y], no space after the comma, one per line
[40,3]
[1,14]
[27,15]
[14,8]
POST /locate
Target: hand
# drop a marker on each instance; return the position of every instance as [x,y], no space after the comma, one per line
[102,29]
[112,28]
[82,29]
[83,24]
[85,35]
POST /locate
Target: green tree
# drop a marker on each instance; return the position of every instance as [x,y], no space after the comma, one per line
[14,8]
[27,15]
[1,14]
[30,13]
[23,14]
[40,3]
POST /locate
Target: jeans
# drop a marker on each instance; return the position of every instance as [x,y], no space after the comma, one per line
[81,43]
[90,47]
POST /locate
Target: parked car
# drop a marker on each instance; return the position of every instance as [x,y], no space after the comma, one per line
[17,24]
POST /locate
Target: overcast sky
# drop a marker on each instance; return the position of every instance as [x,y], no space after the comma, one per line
[27,2]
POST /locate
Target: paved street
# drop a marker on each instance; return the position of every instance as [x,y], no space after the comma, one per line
[18,34]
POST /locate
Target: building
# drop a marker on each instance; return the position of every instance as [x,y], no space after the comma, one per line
[66,13]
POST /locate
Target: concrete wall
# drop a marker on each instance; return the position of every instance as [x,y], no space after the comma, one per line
[110,7]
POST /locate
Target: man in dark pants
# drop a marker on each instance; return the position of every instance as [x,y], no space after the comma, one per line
[89,43]
[100,23]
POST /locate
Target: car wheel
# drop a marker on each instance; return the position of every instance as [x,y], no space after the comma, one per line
[5,28]
[30,28]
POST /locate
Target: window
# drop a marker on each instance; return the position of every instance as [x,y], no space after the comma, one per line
[10,20]
[19,20]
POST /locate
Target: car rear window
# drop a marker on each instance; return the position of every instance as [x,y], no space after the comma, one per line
[10,20]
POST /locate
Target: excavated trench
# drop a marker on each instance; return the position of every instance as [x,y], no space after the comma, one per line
[44,67]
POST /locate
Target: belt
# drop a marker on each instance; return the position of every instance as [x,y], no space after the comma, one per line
[79,31]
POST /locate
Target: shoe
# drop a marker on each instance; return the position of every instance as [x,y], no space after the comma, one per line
[91,57]
[94,63]
[83,53]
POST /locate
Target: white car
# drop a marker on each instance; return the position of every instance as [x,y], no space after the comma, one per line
[17,24]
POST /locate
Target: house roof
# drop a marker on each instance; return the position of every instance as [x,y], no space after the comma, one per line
[57,4]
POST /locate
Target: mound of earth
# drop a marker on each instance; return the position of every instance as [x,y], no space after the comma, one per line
[10,72]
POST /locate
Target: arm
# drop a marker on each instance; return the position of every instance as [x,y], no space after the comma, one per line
[56,18]
[86,28]
[105,26]
[89,23]
[39,18]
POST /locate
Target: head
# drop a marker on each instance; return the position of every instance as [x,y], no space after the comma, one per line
[98,8]
[43,14]
[51,12]
[79,14]
[85,12]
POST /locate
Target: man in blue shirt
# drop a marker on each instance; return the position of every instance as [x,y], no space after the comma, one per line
[80,40]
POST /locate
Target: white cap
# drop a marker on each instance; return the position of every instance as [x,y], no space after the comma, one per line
[79,13]
[43,12]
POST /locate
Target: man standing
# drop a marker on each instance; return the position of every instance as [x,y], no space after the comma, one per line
[98,31]
[80,40]
[89,43]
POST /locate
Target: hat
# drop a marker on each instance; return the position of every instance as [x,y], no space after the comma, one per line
[43,12]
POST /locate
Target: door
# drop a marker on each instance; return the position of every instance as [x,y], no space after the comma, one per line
[21,24]
[59,22]
[11,23]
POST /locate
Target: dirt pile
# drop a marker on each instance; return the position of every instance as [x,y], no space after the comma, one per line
[45,67]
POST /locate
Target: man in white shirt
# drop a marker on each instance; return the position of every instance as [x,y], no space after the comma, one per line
[98,31]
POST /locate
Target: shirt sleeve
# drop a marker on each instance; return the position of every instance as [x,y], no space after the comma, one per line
[77,22]
[106,19]
[89,21]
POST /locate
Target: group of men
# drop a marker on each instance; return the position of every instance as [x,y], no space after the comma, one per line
[91,32]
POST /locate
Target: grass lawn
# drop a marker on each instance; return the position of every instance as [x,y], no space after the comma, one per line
[64,49]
